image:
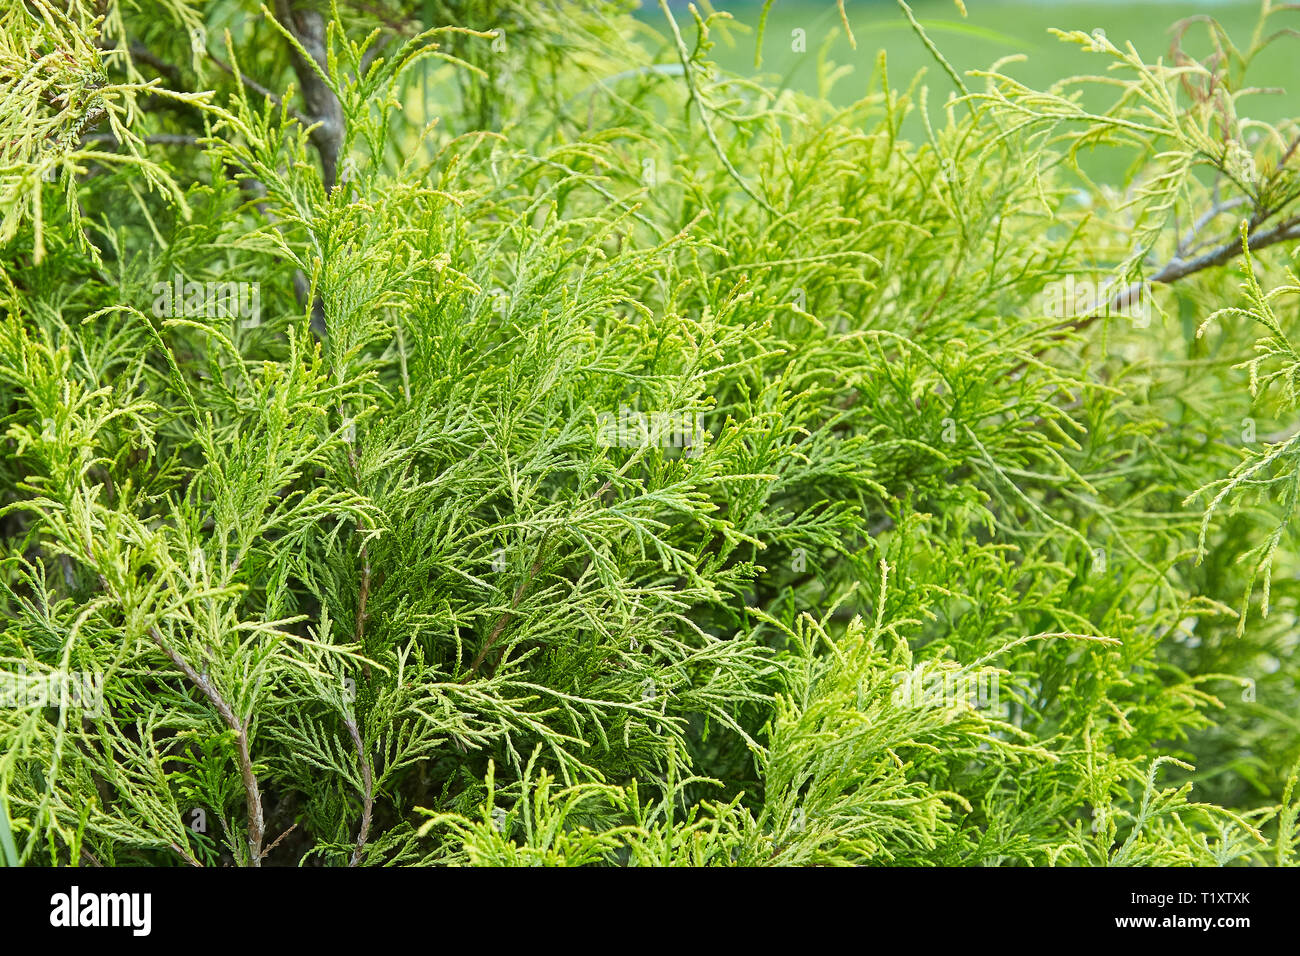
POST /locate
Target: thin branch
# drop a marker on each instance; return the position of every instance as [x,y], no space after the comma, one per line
[685,57]
[179,851]
[301,286]
[1173,270]
[1290,151]
[520,590]
[308,27]
[1185,247]
[363,598]
[1176,269]
[260,89]
[160,139]
[368,794]
[276,841]
[252,792]
[325,117]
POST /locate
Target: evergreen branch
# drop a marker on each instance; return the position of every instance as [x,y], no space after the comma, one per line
[684,56]
[504,618]
[252,790]
[261,90]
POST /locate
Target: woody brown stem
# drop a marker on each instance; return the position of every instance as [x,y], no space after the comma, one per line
[1171,272]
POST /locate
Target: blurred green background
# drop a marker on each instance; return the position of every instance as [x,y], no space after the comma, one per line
[991,30]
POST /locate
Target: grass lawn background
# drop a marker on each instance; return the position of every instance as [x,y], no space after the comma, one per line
[991,30]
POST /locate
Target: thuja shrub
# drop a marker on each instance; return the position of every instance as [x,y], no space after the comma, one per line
[490,433]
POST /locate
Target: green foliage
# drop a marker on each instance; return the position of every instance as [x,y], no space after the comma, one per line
[1274,469]
[602,458]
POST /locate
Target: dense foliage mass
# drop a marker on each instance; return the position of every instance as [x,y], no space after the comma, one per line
[487,432]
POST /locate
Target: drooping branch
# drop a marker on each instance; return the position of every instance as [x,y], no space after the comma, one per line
[252,791]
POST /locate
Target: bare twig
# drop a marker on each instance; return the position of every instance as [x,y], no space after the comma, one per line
[1185,247]
[1229,249]
[368,795]
[276,841]
[1173,270]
